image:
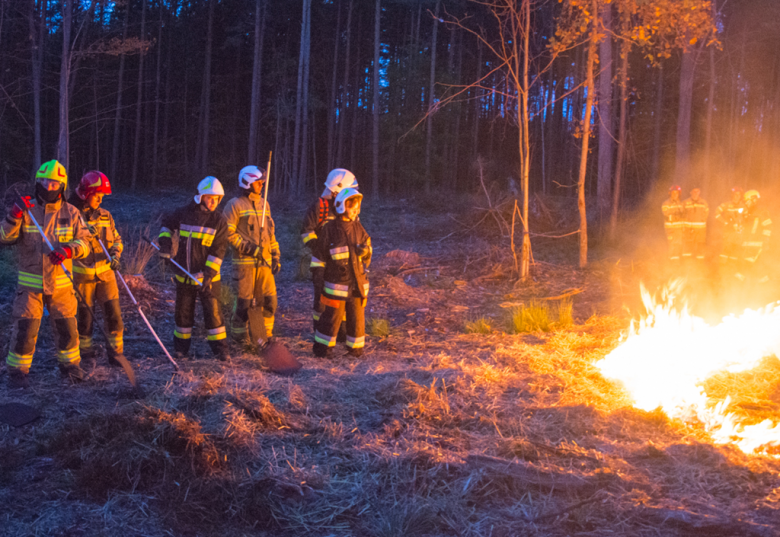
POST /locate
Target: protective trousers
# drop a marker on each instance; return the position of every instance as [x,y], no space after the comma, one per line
[318,277]
[186,296]
[255,285]
[674,236]
[106,293]
[27,313]
[695,242]
[327,327]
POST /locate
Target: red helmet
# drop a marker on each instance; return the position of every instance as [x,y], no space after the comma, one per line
[737,189]
[93,182]
[678,188]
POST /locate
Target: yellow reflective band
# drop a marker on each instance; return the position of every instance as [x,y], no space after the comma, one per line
[356,342]
[340,256]
[30,280]
[30,229]
[165,234]
[18,360]
[316,262]
[324,340]
[181,335]
[69,356]
[62,281]
[306,237]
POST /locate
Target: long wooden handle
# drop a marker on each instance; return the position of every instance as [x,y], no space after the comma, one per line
[267,180]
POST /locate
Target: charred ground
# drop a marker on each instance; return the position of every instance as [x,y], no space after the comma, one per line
[436,431]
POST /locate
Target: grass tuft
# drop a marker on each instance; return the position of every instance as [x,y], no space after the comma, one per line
[478,326]
[379,327]
[565,315]
[532,318]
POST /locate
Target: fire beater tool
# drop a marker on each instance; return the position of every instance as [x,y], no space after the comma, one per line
[138,307]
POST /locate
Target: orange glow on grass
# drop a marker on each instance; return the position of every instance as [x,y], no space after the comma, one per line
[665,357]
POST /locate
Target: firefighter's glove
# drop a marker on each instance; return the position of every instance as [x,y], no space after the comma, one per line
[60,254]
[207,284]
[23,203]
[115,264]
[276,266]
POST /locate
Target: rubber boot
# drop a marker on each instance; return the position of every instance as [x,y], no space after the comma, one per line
[17,380]
[73,372]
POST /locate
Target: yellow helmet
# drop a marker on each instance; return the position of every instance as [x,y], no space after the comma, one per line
[751,195]
[52,170]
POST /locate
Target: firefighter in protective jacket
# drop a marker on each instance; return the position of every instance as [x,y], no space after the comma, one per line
[757,229]
[256,256]
[42,281]
[729,216]
[320,212]
[674,222]
[94,274]
[695,237]
[203,236]
[345,248]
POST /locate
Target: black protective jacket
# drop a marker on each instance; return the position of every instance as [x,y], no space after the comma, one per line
[345,248]
[203,240]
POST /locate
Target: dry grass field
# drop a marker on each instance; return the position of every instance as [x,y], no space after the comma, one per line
[451,424]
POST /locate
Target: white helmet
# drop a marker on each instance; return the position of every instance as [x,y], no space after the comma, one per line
[343,196]
[338,180]
[210,185]
[248,175]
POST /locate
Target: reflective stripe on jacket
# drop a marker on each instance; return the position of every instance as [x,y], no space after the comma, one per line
[345,271]
[62,224]
[96,265]
[674,215]
[202,241]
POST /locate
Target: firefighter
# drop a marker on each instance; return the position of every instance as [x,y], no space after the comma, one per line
[756,230]
[729,218]
[42,281]
[695,227]
[203,234]
[256,257]
[345,248]
[319,212]
[674,221]
[94,274]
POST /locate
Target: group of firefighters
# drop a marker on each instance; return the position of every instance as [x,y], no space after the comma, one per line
[743,225]
[68,252]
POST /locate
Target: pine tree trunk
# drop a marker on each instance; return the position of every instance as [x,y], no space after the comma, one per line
[375,101]
[37,34]
[139,100]
[621,157]
[687,69]
[156,134]
[63,150]
[299,97]
[303,164]
[345,94]
[118,112]
[332,98]
[606,122]
[708,133]
[202,156]
[655,165]
[592,45]
[431,103]
[257,65]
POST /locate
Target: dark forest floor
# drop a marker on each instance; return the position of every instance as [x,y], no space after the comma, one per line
[435,431]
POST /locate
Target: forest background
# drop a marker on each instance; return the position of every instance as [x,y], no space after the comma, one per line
[408,94]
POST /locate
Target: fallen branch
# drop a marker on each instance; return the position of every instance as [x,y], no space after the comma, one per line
[566,294]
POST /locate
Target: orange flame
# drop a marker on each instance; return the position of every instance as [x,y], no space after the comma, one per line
[664,358]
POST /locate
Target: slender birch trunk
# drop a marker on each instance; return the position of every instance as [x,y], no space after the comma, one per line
[606,121]
[431,103]
[375,101]
[139,100]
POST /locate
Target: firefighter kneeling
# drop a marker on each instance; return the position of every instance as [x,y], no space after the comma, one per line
[94,274]
[202,244]
[345,248]
[42,281]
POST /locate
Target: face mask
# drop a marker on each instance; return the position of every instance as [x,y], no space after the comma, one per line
[47,196]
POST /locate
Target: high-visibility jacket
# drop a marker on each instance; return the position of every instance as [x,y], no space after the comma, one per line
[96,265]
[729,214]
[338,247]
[696,213]
[674,215]
[62,224]
[202,241]
[318,213]
[755,234]
[245,232]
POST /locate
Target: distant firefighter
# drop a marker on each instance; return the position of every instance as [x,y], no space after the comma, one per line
[729,217]
[695,234]
[674,220]
[757,228]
